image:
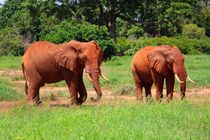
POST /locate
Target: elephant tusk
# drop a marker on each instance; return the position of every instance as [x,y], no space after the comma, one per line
[104,77]
[177,78]
[88,77]
[190,80]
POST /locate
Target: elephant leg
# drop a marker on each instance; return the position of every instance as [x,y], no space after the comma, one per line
[72,86]
[170,87]
[32,86]
[82,91]
[138,84]
[72,82]
[159,81]
[148,87]
[33,93]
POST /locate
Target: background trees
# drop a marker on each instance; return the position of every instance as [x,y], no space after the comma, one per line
[31,20]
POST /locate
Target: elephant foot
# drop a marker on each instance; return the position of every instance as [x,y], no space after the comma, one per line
[96,99]
[73,102]
[79,101]
[139,98]
[149,99]
[32,103]
[182,96]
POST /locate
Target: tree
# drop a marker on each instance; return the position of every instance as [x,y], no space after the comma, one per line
[106,12]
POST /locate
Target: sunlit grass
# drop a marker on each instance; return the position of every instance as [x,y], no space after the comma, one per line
[176,120]
[10,62]
[7,92]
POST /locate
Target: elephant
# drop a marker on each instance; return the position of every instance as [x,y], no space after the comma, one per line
[45,62]
[156,63]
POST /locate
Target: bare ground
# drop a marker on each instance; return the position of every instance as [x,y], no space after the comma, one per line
[58,96]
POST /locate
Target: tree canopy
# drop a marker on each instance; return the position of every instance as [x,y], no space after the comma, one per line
[35,19]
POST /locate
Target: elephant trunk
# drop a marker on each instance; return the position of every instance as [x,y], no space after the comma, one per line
[96,84]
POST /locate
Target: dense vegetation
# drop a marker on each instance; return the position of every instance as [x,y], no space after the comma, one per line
[185,23]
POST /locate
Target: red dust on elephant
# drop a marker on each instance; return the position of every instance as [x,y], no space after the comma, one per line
[154,64]
[45,62]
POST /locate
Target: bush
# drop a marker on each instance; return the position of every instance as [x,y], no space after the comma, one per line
[186,45]
[10,42]
[128,46]
[125,29]
[81,31]
[193,31]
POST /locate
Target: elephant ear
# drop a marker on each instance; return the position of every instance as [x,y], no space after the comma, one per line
[157,61]
[67,57]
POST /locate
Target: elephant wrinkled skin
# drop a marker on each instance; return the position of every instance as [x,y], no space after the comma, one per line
[154,64]
[45,62]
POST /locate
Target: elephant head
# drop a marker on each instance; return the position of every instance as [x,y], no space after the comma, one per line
[91,56]
[166,59]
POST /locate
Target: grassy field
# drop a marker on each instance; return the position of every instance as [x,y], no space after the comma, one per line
[123,120]
[175,120]
[10,62]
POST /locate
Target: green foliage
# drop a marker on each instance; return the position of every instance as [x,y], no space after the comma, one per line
[206,19]
[193,31]
[176,15]
[7,92]
[186,45]
[10,42]
[81,31]
[7,11]
[128,46]
[125,29]
[176,120]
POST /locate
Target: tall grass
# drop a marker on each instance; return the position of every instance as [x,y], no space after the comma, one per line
[176,120]
[7,92]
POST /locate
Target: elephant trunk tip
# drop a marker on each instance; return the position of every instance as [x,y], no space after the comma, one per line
[97,98]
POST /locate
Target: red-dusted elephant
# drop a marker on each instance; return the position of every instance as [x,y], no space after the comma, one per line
[154,64]
[45,62]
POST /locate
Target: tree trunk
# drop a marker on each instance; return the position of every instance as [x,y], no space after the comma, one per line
[112,27]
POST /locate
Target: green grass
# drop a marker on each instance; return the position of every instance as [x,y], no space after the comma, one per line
[176,120]
[7,92]
[10,62]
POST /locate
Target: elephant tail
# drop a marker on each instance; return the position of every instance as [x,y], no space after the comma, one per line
[26,84]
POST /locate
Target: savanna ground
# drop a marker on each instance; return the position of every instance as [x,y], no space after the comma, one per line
[117,116]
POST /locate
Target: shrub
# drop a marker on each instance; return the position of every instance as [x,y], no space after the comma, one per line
[185,44]
[10,42]
[81,31]
[193,31]
[128,46]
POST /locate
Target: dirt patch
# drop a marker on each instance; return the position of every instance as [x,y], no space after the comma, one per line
[10,73]
[195,95]
[7,105]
